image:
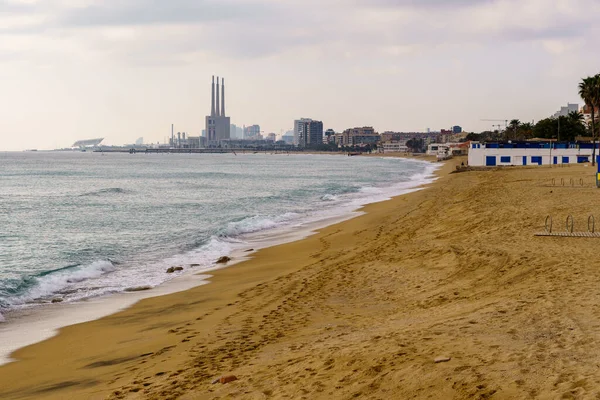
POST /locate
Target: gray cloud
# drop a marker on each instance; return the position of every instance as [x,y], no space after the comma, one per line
[144,12]
[425,3]
[261,28]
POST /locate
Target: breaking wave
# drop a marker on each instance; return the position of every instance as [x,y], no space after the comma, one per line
[41,286]
[256,223]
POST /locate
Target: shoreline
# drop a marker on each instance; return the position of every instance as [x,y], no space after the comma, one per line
[46,321]
[440,293]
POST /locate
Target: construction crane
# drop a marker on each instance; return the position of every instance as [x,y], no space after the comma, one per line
[498,120]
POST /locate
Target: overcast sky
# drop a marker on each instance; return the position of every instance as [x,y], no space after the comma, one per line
[121,69]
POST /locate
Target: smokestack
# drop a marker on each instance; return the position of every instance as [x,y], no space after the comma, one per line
[223,97]
[172,136]
[178,139]
[218,114]
[212,110]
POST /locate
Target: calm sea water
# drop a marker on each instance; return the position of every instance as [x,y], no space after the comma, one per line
[79,225]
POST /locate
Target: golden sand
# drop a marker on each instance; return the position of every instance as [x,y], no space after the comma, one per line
[363,309]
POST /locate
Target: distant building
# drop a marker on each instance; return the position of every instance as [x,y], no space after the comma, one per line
[564,111]
[308,132]
[329,136]
[297,128]
[288,137]
[395,146]
[356,136]
[194,142]
[271,137]
[233,132]
[139,142]
[252,132]
[217,124]
[87,143]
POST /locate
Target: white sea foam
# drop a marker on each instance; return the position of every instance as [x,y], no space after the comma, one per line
[329,197]
[59,280]
[102,277]
[257,223]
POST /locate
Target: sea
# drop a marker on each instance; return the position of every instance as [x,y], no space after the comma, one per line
[78,226]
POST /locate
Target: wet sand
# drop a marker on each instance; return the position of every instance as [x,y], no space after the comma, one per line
[363,308]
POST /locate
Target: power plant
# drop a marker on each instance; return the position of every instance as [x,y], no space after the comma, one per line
[217,124]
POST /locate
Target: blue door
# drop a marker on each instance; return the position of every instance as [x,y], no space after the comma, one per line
[490,161]
[555,160]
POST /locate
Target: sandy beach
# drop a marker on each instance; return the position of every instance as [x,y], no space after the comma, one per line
[363,309]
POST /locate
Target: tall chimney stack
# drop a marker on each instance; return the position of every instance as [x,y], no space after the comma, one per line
[212,110]
[218,114]
[223,97]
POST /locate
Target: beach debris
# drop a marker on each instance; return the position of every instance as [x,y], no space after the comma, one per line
[194,265]
[441,359]
[57,300]
[225,379]
[249,250]
[138,288]
[170,270]
[223,260]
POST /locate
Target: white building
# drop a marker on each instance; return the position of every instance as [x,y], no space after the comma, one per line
[543,153]
[438,148]
[395,146]
[288,138]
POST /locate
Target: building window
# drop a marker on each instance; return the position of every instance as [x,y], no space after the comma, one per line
[536,160]
[505,159]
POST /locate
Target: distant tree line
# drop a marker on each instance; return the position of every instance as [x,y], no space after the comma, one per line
[563,128]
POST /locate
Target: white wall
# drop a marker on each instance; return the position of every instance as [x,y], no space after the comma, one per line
[478,156]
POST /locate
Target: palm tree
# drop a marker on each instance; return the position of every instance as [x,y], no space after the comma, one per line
[526,130]
[576,117]
[589,90]
[514,126]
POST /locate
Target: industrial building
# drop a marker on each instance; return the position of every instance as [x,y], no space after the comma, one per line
[218,125]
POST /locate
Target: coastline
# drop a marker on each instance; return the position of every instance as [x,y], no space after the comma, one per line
[364,307]
[35,324]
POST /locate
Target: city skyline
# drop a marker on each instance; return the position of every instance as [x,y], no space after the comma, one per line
[121,71]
